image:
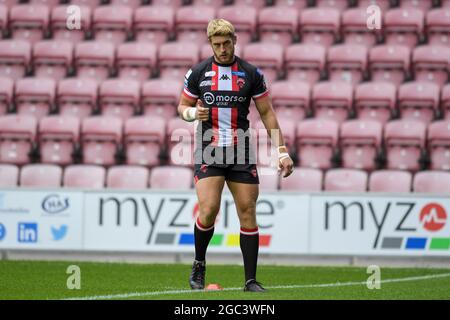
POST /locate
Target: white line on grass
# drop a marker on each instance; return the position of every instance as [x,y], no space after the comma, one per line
[323,285]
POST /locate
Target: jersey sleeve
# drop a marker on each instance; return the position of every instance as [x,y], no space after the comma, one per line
[259,86]
[191,88]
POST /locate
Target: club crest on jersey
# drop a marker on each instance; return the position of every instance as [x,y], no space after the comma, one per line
[210,73]
[240,82]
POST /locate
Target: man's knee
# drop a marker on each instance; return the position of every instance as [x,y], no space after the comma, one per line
[208,213]
[247,214]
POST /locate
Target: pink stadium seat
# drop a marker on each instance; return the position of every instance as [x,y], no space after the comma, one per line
[159,97]
[153,24]
[127,177]
[382,4]
[48,3]
[276,24]
[432,182]
[439,145]
[303,180]
[243,19]
[347,63]
[346,180]
[94,59]
[58,138]
[3,19]
[171,177]
[15,56]
[52,59]
[268,179]
[430,64]
[58,22]
[35,96]
[423,5]
[445,101]
[6,94]
[92,4]
[332,100]
[133,4]
[354,28]
[266,56]
[136,60]
[180,142]
[112,23]
[258,4]
[84,176]
[206,51]
[438,26]
[316,143]
[119,98]
[390,181]
[292,4]
[375,101]
[360,142]
[305,62]
[176,58]
[144,140]
[174,4]
[445,3]
[320,26]
[77,97]
[216,4]
[191,22]
[9,175]
[340,5]
[389,63]
[404,142]
[291,99]
[9,3]
[404,26]
[418,101]
[41,176]
[29,22]
[17,138]
[100,138]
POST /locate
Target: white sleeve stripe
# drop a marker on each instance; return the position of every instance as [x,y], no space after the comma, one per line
[190,94]
[261,94]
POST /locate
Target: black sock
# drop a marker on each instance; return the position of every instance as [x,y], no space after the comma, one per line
[202,236]
[249,241]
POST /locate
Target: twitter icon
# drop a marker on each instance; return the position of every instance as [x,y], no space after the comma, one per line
[59,233]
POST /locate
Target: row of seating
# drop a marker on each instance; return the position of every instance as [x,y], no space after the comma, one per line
[181,178]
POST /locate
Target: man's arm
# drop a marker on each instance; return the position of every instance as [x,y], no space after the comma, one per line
[188,112]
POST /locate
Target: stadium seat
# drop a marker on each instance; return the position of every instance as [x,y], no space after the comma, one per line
[17,138]
[445,101]
[84,176]
[445,3]
[3,19]
[278,25]
[340,5]
[360,142]
[404,26]
[133,4]
[347,63]
[382,4]
[119,98]
[9,3]
[136,60]
[292,4]
[174,4]
[159,97]
[375,101]
[77,32]
[180,142]
[35,96]
[423,5]
[404,143]
[319,26]
[439,145]
[354,28]
[430,64]
[77,97]
[303,180]
[438,26]
[144,140]
[190,23]
[432,182]
[176,58]
[216,4]
[92,4]
[58,138]
[112,23]
[127,177]
[153,24]
[266,56]
[305,62]
[29,22]
[244,20]
[94,59]
[390,181]
[9,175]
[52,59]
[41,176]
[6,94]
[258,4]
[15,57]
[389,63]
[291,99]
[346,180]
[332,100]
[171,177]
[48,3]
[316,143]
[418,101]
[100,139]
[268,179]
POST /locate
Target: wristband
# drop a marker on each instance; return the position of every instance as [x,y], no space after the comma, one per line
[189,114]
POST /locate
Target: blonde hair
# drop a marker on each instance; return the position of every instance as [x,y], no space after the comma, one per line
[220,27]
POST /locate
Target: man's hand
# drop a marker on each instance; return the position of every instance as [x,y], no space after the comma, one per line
[202,112]
[286,166]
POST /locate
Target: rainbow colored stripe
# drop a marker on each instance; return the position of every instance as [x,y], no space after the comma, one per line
[219,239]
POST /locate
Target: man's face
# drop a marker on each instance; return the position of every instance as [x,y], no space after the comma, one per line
[223,48]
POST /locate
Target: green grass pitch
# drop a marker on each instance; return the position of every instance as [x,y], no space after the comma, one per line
[48,280]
